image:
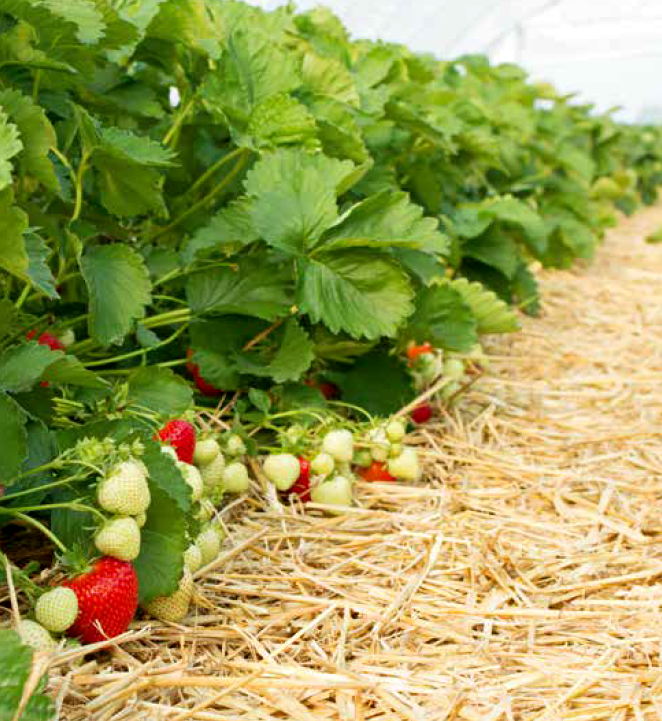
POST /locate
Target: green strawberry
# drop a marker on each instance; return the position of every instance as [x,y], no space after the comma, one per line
[124,491]
[193,558]
[235,478]
[209,543]
[35,635]
[174,607]
[192,476]
[119,538]
[212,474]
[141,519]
[235,446]
[57,609]
[205,452]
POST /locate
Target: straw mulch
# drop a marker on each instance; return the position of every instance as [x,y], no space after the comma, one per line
[521,580]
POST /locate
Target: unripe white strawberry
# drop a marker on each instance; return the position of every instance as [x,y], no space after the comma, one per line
[395,450]
[192,476]
[212,473]
[449,390]
[67,338]
[334,492]
[209,543]
[395,431]
[205,510]
[339,444]
[379,445]
[406,466]
[34,635]
[119,538]
[235,446]
[205,451]
[282,469]
[57,609]
[174,607]
[235,478]
[323,464]
[125,491]
[453,369]
[141,519]
[362,459]
[193,558]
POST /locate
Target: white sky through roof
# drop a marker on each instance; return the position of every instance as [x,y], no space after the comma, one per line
[609,51]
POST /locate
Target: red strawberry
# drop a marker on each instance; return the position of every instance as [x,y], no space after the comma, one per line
[107,597]
[207,389]
[53,342]
[326,388]
[181,436]
[376,472]
[422,413]
[301,486]
[415,350]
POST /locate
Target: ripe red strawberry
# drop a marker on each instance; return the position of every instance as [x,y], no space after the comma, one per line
[422,413]
[207,389]
[301,486]
[326,388]
[181,436]
[376,471]
[46,338]
[415,350]
[107,597]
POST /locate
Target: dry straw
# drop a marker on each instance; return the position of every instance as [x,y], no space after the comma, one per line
[522,580]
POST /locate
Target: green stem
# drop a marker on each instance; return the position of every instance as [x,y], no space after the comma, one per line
[79,186]
[211,170]
[135,353]
[243,159]
[24,295]
[181,315]
[45,467]
[34,522]
[178,123]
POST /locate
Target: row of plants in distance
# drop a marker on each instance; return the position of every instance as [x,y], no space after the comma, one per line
[204,205]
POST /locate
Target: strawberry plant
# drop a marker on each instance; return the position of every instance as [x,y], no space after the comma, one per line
[207,206]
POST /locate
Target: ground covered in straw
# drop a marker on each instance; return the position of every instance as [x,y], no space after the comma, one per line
[521,580]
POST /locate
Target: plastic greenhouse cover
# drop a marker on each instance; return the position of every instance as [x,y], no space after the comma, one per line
[609,51]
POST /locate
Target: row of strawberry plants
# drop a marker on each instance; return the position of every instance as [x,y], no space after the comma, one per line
[206,203]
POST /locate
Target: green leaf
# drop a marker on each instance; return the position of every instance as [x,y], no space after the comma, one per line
[69,370]
[37,137]
[277,121]
[218,343]
[13,223]
[379,383]
[443,318]
[164,475]
[119,289]
[14,439]
[196,24]
[292,358]
[491,313]
[7,317]
[260,399]
[294,198]
[38,270]
[256,288]
[10,146]
[21,366]
[386,219]
[496,249]
[252,69]
[162,544]
[357,291]
[16,663]
[129,169]
[159,390]
[327,76]
[525,288]
[295,395]
[424,266]
[230,228]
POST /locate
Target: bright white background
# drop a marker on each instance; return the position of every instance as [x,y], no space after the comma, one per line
[609,51]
